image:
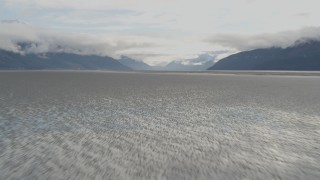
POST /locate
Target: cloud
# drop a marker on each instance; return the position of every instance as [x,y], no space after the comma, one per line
[43,40]
[204,57]
[153,50]
[173,29]
[241,42]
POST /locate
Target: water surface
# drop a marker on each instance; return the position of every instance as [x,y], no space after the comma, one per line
[108,125]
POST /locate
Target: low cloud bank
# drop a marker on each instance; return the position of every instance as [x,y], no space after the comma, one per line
[204,58]
[283,39]
[26,38]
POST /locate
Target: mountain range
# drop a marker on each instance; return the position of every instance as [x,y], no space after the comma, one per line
[11,60]
[200,63]
[135,64]
[302,56]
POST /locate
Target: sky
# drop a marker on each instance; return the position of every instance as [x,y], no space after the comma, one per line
[157,31]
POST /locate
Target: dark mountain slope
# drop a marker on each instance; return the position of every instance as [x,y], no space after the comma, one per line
[10,60]
[134,64]
[302,56]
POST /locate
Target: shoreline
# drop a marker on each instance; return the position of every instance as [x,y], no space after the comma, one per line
[214,72]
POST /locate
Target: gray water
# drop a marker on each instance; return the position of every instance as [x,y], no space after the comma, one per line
[106,125]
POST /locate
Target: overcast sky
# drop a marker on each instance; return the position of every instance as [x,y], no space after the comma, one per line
[158,31]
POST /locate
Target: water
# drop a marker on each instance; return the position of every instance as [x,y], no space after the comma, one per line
[106,125]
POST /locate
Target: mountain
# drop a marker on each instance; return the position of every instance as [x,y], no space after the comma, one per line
[178,66]
[134,64]
[11,60]
[202,62]
[303,56]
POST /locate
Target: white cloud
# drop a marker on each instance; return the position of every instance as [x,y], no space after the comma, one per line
[175,29]
[202,16]
[153,50]
[45,40]
[283,39]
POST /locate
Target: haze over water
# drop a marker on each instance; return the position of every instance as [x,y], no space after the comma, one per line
[107,125]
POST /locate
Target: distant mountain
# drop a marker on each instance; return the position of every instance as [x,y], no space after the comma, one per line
[134,64]
[178,66]
[11,60]
[304,56]
[202,62]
